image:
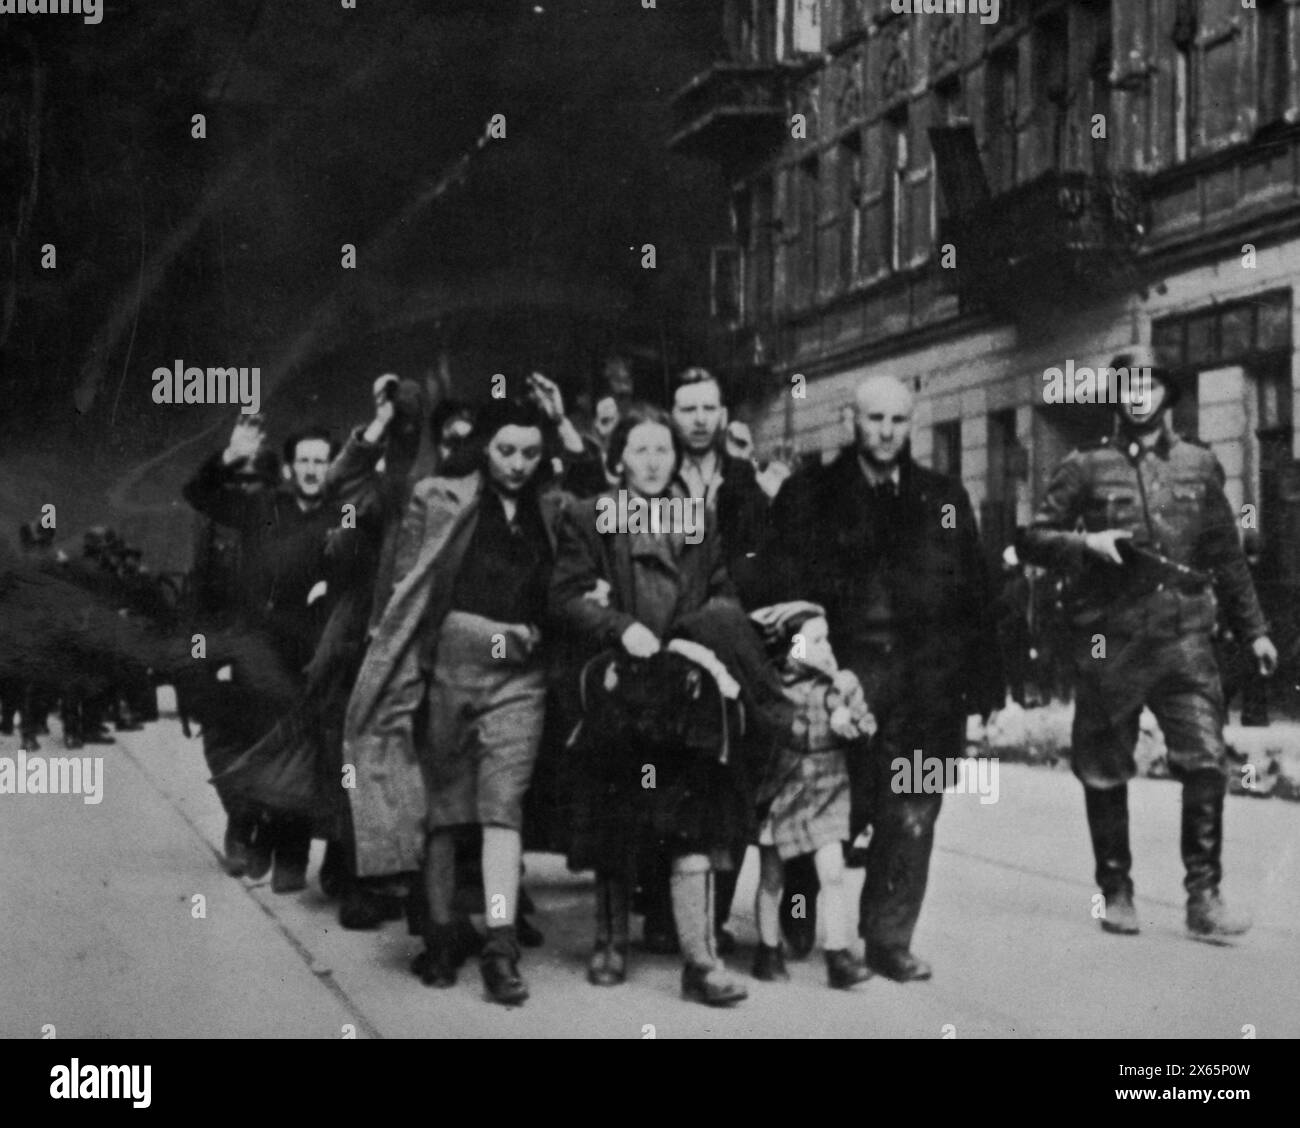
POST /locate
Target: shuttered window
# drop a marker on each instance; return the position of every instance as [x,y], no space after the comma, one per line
[1271,56]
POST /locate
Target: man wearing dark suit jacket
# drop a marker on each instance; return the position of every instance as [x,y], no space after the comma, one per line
[892,551]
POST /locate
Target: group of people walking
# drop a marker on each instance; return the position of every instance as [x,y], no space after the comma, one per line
[685,695]
[436,651]
[678,698]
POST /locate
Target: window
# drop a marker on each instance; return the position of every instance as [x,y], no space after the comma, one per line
[1006,458]
[852,17]
[1225,335]
[1184,103]
[1186,85]
[949,111]
[1099,98]
[741,30]
[849,205]
[725,284]
[1000,102]
[1273,379]
[947,448]
[735,309]
[899,156]
[1251,333]
[803,28]
[1052,83]
[759,256]
[1271,60]
[807,174]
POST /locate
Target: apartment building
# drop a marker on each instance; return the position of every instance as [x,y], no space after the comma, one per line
[966,203]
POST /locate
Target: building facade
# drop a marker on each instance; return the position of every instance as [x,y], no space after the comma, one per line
[967,203]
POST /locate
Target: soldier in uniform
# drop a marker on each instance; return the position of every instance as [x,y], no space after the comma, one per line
[1142,523]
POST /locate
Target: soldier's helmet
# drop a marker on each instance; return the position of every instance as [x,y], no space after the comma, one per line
[1144,356]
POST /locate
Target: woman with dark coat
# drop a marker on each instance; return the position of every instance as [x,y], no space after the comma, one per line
[631,590]
[445,720]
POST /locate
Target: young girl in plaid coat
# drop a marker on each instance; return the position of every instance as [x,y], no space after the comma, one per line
[808,812]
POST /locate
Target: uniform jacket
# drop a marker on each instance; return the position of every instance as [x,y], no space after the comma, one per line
[379,738]
[828,539]
[1171,499]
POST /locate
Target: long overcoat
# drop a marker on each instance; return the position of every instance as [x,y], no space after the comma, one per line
[380,738]
[594,599]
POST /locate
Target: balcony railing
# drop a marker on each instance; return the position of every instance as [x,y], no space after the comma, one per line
[730,107]
[1064,233]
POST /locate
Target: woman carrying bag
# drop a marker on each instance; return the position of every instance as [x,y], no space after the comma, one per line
[613,588]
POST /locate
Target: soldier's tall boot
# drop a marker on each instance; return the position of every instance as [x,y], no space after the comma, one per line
[1208,917]
[1108,825]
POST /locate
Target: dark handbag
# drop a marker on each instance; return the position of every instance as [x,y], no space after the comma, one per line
[665,702]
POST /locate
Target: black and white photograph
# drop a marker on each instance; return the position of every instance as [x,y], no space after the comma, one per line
[650,520]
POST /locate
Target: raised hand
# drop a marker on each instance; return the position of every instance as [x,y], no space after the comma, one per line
[548,396]
[245,440]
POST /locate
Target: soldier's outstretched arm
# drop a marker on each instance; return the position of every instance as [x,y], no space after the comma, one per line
[1051,540]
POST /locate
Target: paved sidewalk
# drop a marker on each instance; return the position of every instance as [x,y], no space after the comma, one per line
[100,939]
